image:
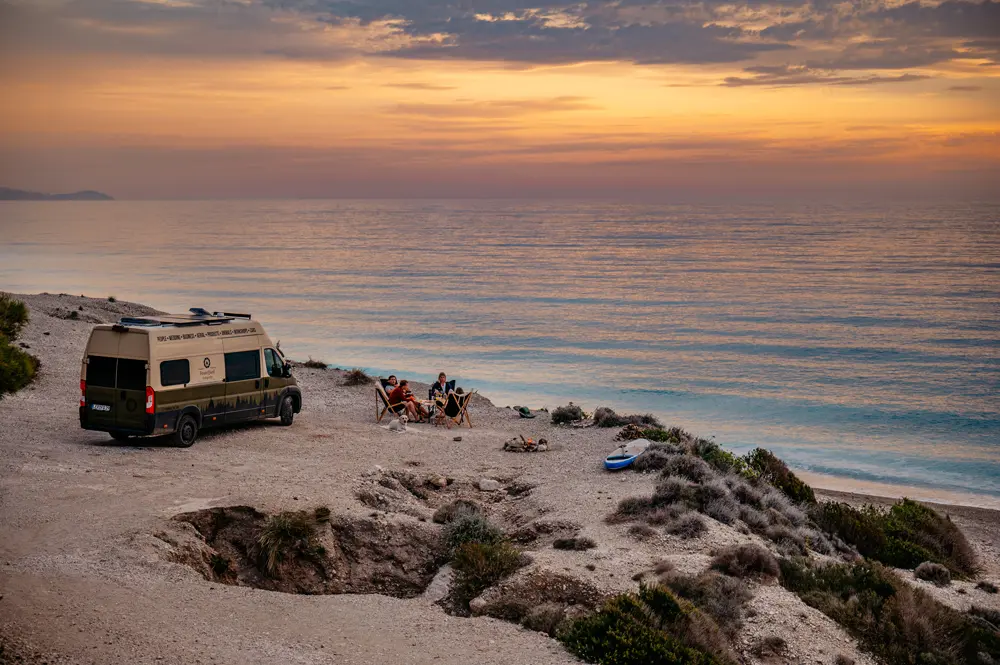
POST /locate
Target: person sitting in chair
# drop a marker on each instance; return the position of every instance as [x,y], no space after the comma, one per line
[441,388]
[401,395]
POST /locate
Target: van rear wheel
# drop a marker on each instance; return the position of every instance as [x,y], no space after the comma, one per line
[187,432]
[120,437]
[287,411]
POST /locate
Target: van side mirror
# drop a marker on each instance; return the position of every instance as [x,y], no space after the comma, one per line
[286,371]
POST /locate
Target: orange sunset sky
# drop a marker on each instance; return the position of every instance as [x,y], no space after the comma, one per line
[401,98]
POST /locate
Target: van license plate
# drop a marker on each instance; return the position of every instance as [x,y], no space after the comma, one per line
[100,407]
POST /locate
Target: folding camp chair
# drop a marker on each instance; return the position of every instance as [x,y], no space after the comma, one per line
[456,409]
[383,397]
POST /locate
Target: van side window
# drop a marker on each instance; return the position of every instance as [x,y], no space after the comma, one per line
[101,371]
[131,374]
[175,372]
[242,365]
[275,365]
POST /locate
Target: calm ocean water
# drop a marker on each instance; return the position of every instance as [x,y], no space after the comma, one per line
[859,342]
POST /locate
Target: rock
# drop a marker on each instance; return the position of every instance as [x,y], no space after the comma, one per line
[457,438]
[542,447]
[489,485]
[440,482]
[476,606]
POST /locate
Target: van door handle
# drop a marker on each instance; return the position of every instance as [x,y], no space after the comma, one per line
[267,383]
[256,384]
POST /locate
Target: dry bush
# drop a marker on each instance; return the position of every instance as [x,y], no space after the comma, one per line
[546,618]
[606,417]
[991,617]
[357,377]
[672,490]
[641,531]
[743,491]
[933,572]
[841,659]
[987,587]
[576,543]
[746,561]
[315,364]
[687,526]
[566,414]
[630,509]
[656,457]
[753,518]
[452,511]
[693,468]
[723,509]
[721,597]
[769,647]
[665,514]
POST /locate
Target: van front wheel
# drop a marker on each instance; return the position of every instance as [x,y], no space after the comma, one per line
[287,411]
[187,432]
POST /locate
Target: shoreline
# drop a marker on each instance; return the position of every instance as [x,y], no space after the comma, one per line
[827,483]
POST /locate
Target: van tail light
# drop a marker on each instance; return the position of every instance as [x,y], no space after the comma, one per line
[149,399]
[83,393]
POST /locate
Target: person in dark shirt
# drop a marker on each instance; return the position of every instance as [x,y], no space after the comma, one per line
[440,390]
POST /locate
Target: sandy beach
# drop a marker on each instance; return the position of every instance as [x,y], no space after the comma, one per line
[89,554]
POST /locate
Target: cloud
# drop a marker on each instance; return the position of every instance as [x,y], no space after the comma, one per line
[965,88]
[498,109]
[788,75]
[418,86]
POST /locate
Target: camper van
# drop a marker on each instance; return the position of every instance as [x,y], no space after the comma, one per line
[178,373]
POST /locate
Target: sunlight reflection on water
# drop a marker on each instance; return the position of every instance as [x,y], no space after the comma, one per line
[859,343]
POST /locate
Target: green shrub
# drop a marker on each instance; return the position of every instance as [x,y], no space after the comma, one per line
[904,536]
[452,511]
[566,414]
[772,470]
[636,629]
[471,527]
[480,565]
[13,317]
[721,597]
[660,435]
[899,624]
[17,368]
[719,459]
[283,534]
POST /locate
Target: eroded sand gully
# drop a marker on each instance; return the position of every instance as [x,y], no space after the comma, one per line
[106,550]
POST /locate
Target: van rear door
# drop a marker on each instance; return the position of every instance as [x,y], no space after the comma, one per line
[130,389]
[100,391]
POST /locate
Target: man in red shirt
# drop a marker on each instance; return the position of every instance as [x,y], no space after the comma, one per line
[401,395]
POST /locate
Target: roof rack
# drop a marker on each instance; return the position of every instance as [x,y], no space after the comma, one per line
[197,317]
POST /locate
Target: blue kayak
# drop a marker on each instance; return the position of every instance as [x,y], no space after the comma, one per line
[623,456]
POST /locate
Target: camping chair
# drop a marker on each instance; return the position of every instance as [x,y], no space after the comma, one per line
[381,396]
[456,409]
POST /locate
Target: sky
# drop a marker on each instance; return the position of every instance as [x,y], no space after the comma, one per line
[644,100]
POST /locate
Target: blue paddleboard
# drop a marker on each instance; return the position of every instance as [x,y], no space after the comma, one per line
[623,456]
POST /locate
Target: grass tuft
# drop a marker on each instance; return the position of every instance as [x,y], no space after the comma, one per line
[480,565]
[283,533]
[315,364]
[576,543]
[357,377]
[471,527]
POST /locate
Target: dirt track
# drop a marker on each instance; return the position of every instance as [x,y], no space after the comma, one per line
[84,579]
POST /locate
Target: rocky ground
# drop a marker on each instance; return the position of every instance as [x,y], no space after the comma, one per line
[96,566]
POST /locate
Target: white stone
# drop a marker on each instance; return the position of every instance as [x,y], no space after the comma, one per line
[489,485]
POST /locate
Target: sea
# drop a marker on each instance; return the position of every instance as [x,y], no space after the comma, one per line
[860,343]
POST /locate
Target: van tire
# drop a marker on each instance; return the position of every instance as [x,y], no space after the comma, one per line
[287,410]
[120,437]
[187,431]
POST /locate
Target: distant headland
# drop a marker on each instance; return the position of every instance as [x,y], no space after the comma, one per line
[8,194]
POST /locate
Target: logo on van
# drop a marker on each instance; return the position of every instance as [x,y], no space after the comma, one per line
[208,363]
